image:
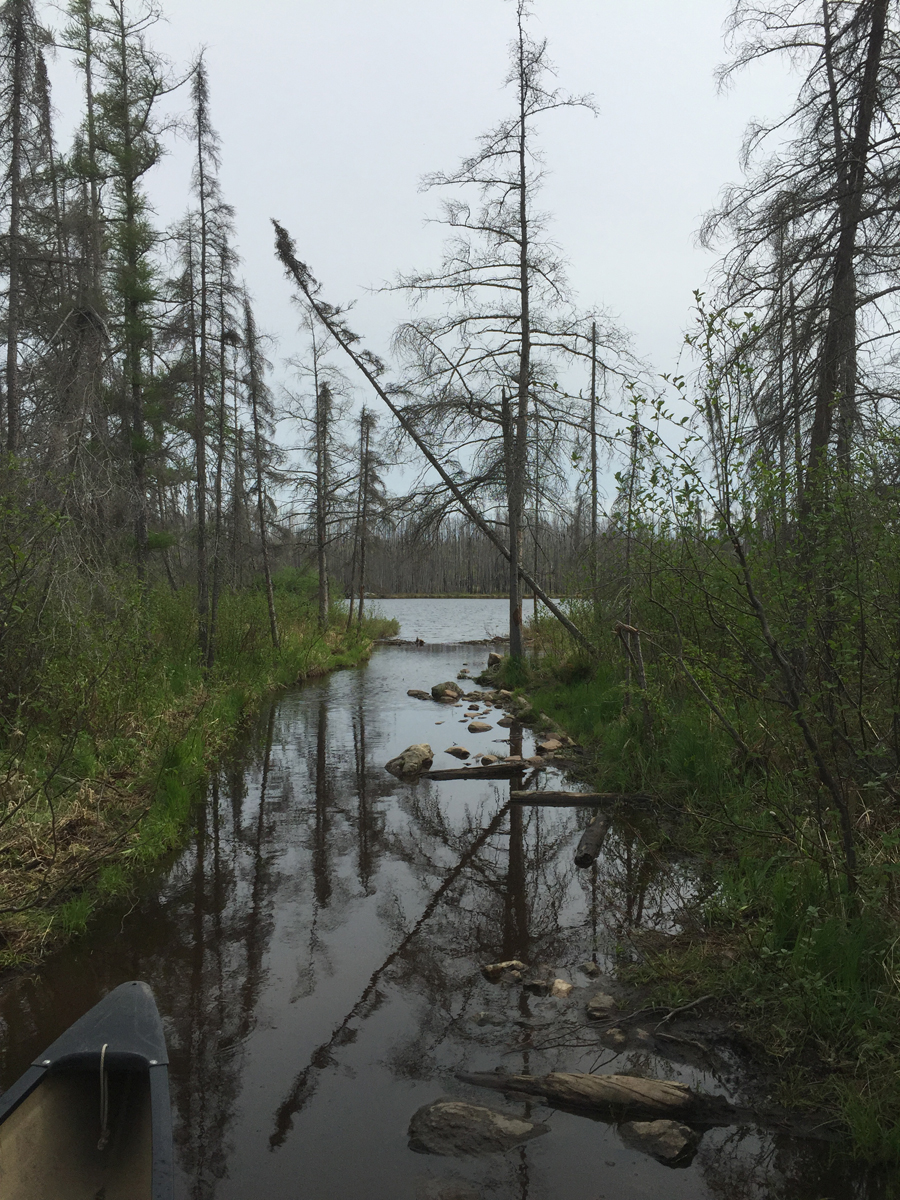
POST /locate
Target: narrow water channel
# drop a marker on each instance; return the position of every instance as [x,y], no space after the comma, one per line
[316,950]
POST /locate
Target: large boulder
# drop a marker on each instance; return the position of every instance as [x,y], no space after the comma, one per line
[452,1127]
[411,762]
[447,693]
[667,1141]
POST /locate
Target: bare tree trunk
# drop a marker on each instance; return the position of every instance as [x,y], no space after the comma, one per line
[364,518]
[837,358]
[322,402]
[13,309]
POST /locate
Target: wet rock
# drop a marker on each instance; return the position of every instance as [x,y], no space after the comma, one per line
[548,746]
[537,985]
[479,727]
[488,760]
[600,1006]
[458,751]
[449,692]
[591,969]
[488,1018]
[534,761]
[561,988]
[494,660]
[495,971]
[666,1141]
[412,761]
[616,1038]
[452,1127]
[505,722]
[471,715]
[418,694]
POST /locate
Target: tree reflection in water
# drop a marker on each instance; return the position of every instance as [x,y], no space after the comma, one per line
[328,922]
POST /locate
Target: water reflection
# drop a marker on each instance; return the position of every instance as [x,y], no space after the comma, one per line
[316,951]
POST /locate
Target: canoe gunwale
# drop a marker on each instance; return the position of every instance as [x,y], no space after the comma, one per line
[128,1023]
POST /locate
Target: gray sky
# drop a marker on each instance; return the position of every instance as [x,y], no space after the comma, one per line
[331,112]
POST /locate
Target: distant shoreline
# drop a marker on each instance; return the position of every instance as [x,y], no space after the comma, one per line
[449,596]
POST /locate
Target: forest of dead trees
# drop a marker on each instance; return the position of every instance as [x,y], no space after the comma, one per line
[747,548]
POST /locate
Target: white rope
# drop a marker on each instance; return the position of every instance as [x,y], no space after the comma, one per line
[104,1101]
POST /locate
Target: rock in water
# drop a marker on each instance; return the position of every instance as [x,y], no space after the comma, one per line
[495,971]
[418,694]
[479,727]
[413,760]
[457,751]
[447,692]
[488,760]
[451,1127]
[505,722]
[561,988]
[600,1006]
[493,659]
[664,1140]
[549,746]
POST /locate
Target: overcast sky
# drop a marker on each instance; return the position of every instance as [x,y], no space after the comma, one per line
[330,113]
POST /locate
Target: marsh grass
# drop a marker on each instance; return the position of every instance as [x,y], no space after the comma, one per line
[806,971]
[107,751]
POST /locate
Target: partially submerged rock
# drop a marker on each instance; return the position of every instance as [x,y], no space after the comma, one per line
[667,1141]
[457,751]
[505,722]
[411,762]
[418,694]
[479,727]
[452,1127]
[600,1006]
[488,760]
[548,746]
[494,659]
[497,970]
[561,988]
[447,693]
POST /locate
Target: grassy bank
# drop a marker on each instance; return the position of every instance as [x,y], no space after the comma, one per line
[106,744]
[805,970]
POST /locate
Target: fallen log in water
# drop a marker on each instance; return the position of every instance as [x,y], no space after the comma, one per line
[616,1097]
[500,770]
[576,799]
[592,840]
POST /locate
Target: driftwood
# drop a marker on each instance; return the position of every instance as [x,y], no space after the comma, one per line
[592,840]
[576,799]
[500,770]
[616,1097]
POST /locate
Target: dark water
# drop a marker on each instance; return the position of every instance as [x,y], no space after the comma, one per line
[315,952]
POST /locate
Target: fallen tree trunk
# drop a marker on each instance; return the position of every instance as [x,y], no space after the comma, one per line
[494,771]
[617,1097]
[576,799]
[366,362]
[592,840]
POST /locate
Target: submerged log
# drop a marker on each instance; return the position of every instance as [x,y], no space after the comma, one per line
[592,840]
[576,799]
[500,770]
[615,1096]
